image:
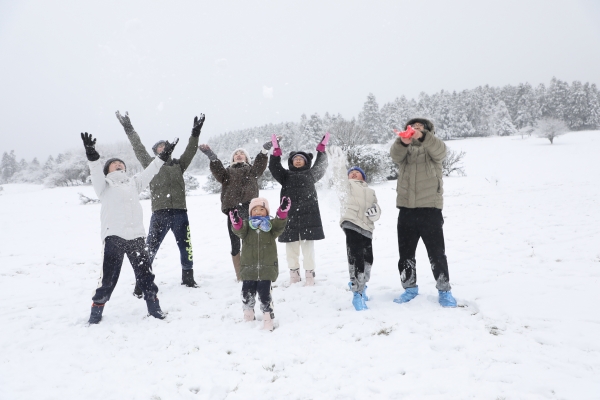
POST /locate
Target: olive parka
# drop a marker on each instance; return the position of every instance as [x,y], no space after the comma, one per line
[167,189]
[259,251]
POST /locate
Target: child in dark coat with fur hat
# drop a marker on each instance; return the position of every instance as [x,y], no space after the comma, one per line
[259,265]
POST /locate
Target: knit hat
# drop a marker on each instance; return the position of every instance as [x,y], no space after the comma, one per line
[110,161]
[302,156]
[156,146]
[359,169]
[307,160]
[259,201]
[232,161]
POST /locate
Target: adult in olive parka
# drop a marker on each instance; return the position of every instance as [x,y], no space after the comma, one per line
[304,219]
[167,191]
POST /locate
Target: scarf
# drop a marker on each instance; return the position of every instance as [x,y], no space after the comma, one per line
[262,223]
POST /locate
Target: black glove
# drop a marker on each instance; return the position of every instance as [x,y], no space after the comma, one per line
[169,147]
[267,146]
[124,120]
[89,143]
[198,122]
[207,150]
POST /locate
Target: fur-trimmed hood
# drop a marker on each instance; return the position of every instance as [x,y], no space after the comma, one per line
[308,156]
[427,123]
[235,151]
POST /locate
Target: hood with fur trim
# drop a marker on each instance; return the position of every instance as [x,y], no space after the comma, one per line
[308,156]
[427,123]
[235,151]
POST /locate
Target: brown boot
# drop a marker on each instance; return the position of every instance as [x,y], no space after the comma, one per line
[237,263]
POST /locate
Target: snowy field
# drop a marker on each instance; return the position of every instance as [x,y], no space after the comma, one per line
[523,244]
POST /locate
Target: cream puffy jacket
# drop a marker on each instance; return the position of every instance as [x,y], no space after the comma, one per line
[121,213]
[355,197]
[420,182]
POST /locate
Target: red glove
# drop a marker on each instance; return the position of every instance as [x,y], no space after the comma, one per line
[324,141]
[408,133]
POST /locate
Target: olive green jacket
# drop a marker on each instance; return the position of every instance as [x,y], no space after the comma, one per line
[259,251]
[167,189]
[420,182]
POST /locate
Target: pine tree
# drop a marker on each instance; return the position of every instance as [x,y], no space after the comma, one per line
[577,106]
[502,123]
[8,166]
[557,99]
[592,120]
[370,119]
[527,108]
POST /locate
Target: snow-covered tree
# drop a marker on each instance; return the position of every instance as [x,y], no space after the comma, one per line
[592,119]
[550,128]
[348,134]
[502,124]
[557,97]
[8,166]
[371,120]
[577,106]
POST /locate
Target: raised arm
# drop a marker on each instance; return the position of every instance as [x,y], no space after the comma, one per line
[98,179]
[138,148]
[318,170]
[216,166]
[143,179]
[398,151]
[279,173]
[192,147]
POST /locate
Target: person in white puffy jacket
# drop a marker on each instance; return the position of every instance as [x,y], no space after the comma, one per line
[359,211]
[122,226]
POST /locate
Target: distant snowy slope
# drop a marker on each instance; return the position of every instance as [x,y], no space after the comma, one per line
[523,243]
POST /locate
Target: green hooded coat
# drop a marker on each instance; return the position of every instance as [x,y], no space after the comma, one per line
[259,251]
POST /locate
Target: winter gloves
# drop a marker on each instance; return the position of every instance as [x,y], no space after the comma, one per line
[208,152]
[89,143]
[198,122]
[267,146]
[286,203]
[124,120]
[323,143]
[236,221]
[276,148]
[169,147]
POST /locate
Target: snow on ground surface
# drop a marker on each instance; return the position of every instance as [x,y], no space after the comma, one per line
[523,244]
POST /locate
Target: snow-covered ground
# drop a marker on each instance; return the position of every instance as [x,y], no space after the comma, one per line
[523,243]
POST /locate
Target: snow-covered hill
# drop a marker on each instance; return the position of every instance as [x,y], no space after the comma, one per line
[523,243]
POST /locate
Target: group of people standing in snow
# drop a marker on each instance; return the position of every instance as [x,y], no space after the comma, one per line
[297,222]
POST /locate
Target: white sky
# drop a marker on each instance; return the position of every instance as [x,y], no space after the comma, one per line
[66,66]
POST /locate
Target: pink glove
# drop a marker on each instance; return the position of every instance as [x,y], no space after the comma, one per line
[276,148]
[324,141]
[286,203]
[236,221]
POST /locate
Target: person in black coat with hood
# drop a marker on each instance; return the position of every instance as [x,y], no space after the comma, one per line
[304,218]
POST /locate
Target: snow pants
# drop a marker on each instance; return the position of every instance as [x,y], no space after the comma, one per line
[426,224]
[161,223]
[359,249]
[115,249]
[292,253]
[263,288]
[244,213]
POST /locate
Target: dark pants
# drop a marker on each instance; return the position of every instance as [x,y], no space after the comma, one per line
[177,221]
[115,249]
[263,288]
[360,258]
[236,241]
[426,224]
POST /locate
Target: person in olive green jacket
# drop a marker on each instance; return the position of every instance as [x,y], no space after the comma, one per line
[259,265]
[167,190]
[420,199]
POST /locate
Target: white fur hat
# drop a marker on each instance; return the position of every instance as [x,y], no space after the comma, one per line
[242,150]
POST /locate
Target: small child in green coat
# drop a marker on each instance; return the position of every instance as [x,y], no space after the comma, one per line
[259,266]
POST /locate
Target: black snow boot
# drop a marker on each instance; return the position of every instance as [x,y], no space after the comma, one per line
[154,309]
[187,278]
[96,314]
[137,292]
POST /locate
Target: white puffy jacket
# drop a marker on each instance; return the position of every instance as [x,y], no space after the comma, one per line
[121,214]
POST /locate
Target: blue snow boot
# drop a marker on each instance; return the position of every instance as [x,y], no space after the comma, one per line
[409,294]
[359,302]
[154,309]
[364,293]
[446,299]
[96,314]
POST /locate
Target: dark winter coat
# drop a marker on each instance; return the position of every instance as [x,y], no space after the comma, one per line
[240,181]
[304,218]
[259,251]
[420,183]
[167,189]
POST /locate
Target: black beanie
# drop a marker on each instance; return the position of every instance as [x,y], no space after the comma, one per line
[109,161]
[158,144]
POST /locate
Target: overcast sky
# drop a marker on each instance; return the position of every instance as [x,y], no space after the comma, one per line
[66,66]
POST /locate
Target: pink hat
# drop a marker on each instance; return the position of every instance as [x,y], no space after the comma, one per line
[259,201]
